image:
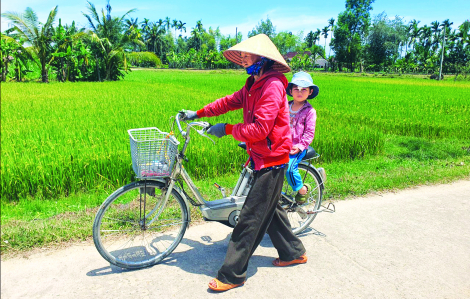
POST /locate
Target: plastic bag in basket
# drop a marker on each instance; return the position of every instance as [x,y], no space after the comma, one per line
[155,168]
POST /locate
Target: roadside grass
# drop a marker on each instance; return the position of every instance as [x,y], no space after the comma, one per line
[29,224]
[65,147]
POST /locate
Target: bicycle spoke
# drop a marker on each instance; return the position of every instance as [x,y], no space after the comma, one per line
[121,236]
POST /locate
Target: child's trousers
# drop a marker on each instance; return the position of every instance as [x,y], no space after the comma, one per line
[293,176]
[261,213]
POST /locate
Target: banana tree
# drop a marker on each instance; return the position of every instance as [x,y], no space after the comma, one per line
[67,43]
[13,52]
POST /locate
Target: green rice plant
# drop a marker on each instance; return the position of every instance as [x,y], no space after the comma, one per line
[143,59]
[64,138]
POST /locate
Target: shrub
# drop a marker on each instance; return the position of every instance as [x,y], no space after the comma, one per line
[144,59]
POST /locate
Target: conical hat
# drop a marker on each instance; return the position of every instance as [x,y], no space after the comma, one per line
[259,45]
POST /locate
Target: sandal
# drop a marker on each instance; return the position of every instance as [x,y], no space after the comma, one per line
[217,285]
[301,260]
[300,199]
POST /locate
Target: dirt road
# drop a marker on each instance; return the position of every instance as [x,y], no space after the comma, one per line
[409,244]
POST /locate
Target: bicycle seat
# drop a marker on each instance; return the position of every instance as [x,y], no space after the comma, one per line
[242,145]
[311,153]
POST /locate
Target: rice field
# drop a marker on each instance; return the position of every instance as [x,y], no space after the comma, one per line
[63,138]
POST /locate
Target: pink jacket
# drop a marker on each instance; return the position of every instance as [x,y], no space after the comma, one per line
[265,128]
[303,126]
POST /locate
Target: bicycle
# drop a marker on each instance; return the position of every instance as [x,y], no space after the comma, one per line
[141,223]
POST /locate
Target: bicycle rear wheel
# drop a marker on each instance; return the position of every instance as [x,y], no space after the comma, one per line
[135,229]
[297,214]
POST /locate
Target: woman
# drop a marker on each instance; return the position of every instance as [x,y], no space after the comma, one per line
[265,130]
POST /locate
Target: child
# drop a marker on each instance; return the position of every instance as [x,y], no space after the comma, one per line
[302,124]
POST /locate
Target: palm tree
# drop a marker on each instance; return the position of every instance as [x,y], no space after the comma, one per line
[199,26]
[446,26]
[316,36]
[309,39]
[414,32]
[181,26]
[167,23]
[196,36]
[106,33]
[132,23]
[325,34]
[436,32]
[160,22]
[145,27]
[39,35]
[464,31]
[174,24]
[331,24]
[155,39]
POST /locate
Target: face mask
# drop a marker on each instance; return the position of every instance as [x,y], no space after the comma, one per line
[255,68]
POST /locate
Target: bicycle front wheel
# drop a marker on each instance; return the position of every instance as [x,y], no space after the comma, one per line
[136,228]
[297,213]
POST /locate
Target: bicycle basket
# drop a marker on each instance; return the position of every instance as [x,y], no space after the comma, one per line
[153,152]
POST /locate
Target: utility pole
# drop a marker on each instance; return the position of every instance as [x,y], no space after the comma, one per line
[236,34]
[442,56]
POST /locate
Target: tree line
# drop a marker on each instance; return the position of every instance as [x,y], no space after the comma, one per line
[111,44]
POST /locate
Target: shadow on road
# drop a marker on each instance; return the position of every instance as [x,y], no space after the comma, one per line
[206,257]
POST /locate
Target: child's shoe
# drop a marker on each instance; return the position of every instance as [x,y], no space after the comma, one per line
[300,199]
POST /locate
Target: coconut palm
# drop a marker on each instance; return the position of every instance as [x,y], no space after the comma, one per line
[37,34]
[132,23]
[106,34]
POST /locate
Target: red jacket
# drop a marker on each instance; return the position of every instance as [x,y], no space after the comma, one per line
[265,128]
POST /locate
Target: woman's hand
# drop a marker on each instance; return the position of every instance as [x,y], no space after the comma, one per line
[217,130]
[294,151]
[190,115]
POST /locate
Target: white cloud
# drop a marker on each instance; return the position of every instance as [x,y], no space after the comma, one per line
[280,20]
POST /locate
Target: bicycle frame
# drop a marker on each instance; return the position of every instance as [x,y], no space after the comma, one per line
[226,209]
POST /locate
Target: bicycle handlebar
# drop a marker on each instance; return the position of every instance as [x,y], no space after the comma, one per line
[180,116]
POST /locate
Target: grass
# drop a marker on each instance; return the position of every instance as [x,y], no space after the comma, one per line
[65,146]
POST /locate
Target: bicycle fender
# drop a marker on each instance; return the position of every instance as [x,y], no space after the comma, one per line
[185,199]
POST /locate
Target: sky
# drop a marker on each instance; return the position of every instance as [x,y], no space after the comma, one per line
[243,16]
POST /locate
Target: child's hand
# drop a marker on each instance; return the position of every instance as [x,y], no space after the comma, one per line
[294,150]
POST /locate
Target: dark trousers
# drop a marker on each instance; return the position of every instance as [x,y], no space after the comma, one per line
[261,213]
